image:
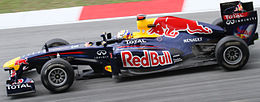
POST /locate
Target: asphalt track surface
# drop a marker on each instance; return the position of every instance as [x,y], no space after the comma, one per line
[201,84]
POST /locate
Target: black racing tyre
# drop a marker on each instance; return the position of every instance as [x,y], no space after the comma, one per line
[57,75]
[232,53]
[117,78]
[55,42]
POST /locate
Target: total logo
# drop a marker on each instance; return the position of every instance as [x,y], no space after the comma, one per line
[19,86]
[235,15]
[138,41]
[150,59]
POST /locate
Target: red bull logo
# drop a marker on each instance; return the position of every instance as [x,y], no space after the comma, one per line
[244,31]
[171,27]
[239,7]
[150,59]
[20,80]
[21,61]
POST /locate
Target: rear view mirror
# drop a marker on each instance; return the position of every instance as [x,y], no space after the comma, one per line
[104,37]
[109,35]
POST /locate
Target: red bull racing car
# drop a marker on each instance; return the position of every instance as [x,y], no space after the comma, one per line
[163,43]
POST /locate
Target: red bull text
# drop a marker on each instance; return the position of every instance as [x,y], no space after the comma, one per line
[150,59]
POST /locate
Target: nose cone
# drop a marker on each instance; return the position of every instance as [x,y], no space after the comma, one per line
[11,64]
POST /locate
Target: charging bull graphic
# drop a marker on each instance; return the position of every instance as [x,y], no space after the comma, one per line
[244,31]
[171,27]
[21,61]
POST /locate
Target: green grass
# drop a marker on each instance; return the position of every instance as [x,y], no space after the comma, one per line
[9,6]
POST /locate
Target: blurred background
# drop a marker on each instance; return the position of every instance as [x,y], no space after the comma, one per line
[10,6]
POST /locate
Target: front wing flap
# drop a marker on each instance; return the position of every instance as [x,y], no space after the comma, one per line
[23,86]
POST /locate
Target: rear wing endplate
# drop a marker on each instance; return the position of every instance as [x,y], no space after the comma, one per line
[240,19]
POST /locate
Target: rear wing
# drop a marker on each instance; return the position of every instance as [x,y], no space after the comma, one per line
[240,19]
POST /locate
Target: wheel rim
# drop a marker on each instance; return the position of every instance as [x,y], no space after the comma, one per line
[57,76]
[232,55]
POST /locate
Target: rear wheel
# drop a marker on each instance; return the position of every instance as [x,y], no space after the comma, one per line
[232,53]
[57,75]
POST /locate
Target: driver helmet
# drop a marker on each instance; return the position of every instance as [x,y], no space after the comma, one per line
[124,34]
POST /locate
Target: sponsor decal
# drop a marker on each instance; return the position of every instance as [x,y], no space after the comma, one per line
[74,46]
[39,52]
[138,41]
[171,27]
[108,68]
[192,40]
[136,46]
[176,58]
[235,16]
[244,32]
[150,59]
[20,80]
[25,67]
[13,73]
[238,18]
[111,55]
[18,86]
[239,7]
[101,52]
[21,61]
[101,57]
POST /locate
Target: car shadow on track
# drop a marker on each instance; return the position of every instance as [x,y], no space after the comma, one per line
[42,91]
[171,73]
[23,96]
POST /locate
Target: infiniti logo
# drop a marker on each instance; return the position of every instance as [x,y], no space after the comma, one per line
[101,52]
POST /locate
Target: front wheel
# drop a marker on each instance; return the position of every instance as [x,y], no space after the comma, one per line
[232,53]
[55,43]
[57,75]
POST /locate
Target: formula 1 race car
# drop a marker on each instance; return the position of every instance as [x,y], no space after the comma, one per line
[163,44]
